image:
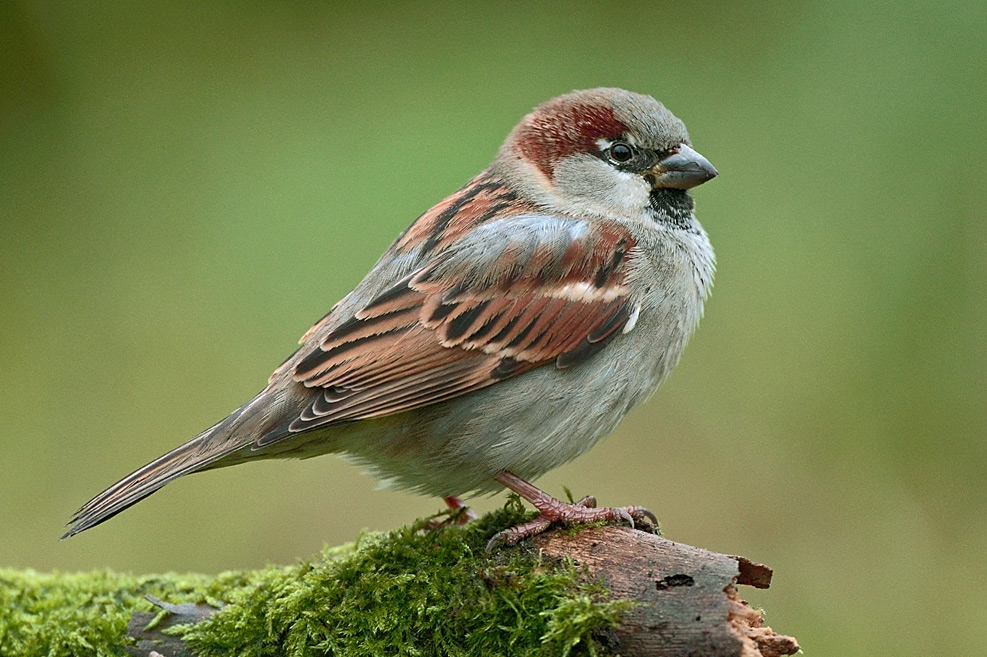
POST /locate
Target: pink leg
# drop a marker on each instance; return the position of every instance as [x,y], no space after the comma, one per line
[553,511]
[464,515]
[456,504]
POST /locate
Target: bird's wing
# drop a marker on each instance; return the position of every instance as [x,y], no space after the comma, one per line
[511,295]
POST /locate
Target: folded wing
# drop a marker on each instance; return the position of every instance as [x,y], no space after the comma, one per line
[512,295]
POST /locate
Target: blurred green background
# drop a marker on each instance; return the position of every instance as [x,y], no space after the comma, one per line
[185,188]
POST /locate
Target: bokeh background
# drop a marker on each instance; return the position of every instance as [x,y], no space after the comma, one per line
[185,188]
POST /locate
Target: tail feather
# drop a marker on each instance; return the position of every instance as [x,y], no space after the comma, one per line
[199,453]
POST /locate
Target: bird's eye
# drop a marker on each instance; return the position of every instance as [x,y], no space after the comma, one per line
[620,152]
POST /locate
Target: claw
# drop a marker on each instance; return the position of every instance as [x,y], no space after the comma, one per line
[555,511]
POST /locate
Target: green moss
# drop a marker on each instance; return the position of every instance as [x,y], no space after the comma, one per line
[415,591]
[56,614]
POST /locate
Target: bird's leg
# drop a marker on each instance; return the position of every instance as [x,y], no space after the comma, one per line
[455,504]
[461,514]
[552,511]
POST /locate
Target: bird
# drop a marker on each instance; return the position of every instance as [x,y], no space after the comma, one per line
[505,331]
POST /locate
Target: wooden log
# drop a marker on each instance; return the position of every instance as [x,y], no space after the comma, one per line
[686,600]
[686,597]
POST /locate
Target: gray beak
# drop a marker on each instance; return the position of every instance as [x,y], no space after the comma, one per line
[683,169]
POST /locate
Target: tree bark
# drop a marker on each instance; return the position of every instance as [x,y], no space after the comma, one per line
[686,598]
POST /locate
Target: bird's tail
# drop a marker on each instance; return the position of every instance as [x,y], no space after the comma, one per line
[199,453]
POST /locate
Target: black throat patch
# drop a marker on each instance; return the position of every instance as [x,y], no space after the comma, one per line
[673,207]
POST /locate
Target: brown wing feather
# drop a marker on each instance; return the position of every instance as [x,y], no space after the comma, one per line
[518,300]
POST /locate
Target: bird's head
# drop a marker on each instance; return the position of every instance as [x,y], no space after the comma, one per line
[604,151]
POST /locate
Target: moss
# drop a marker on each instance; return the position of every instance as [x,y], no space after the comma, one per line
[415,591]
[56,614]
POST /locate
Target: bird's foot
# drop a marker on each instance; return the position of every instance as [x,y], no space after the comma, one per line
[459,514]
[552,510]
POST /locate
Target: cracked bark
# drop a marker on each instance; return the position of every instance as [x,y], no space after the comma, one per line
[687,597]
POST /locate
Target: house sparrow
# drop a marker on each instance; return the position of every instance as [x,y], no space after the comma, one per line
[506,330]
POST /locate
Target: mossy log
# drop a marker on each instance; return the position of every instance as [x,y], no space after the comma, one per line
[685,599]
[420,590]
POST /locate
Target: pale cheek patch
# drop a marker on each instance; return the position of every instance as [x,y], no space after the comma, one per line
[629,191]
[593,183]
